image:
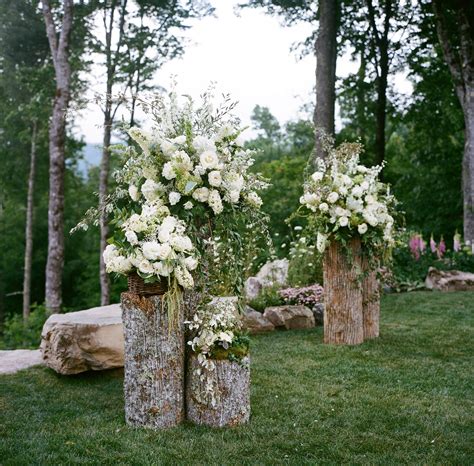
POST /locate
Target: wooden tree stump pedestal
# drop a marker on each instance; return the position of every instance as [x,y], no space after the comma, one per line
[154,363]
[231,381]
[343,321]
[370,302]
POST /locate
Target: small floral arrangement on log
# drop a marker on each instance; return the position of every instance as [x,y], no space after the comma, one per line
[176,184]
[216,334]
[348,200]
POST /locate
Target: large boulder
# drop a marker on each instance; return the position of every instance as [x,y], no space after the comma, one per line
[86,340]
[272,273]
[290,317]
[451,280]
[255,322]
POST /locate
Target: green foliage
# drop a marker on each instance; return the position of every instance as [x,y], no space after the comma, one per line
[305,262]
[268,297]
[405,397]
[18,333]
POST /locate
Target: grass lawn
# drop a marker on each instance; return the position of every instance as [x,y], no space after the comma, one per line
[405,398]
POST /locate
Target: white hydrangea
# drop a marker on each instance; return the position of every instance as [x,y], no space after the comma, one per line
[174,197]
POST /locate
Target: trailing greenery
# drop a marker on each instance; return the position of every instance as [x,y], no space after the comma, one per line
[405,398]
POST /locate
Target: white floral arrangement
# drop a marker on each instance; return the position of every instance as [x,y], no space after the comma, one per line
[217,335]
[174,181]
[346,199]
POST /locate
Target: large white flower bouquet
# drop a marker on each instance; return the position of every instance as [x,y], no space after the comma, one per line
[346,199]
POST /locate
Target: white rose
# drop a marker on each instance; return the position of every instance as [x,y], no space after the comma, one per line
[209,159]
[362,228]
[174,197]
[145,267]
[168,171]
[317,176]
[333,197]
[133,192]
[343,221]
[131,237]
[215,178]
[188,205]
[323,207]
[234,181]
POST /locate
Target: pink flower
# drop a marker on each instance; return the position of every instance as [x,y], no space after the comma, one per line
[414,245]
[441,248]
[433,245]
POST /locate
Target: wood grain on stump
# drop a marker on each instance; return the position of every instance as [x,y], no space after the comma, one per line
[154,363]
[231,382]
[343,295]
[370,301]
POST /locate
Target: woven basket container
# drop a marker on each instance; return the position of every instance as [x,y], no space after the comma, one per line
[137,285]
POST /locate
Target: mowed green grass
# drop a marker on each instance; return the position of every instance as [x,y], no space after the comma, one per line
[406,398]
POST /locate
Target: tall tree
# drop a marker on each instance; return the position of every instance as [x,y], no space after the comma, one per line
[59,44]
[455,26]
[139,36]
[326,57]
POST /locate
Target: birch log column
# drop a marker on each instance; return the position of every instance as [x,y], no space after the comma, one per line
[370,301]
[154,363]
[343,321]
[230,404]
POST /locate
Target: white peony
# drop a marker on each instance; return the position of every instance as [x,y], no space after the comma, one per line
[209,160]
[343,221]
[145,267]
[151,250]
[215,178]
[333,197]
[174,197]
[133,192]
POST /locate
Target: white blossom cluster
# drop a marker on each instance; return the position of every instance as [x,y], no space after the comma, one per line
[155,246]
[214,325]
[347,198]
[192,157]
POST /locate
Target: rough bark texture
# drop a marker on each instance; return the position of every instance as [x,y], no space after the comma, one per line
[154,364]
[59,46]
[343,323]
[326,56]
[370,302]
[458,51]
[29,227]
[232,394]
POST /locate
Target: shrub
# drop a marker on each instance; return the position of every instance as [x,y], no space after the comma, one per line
[25,335]
[268,297]
[306,263]
[305,296]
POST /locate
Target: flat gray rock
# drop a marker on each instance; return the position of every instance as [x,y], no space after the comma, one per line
[12,361]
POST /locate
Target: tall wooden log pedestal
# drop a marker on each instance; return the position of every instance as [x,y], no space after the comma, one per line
[154,363]
[370,302]
[231,381]
[343,320]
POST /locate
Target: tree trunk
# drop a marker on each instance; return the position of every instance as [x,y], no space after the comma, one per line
[381,107]
[154,364]
[57,134]
[468,166]
[103,188]
[370,301]
[29,227]
[326,56]
[343,322]
[230,404]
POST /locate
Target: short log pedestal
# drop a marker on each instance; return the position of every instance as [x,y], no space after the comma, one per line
[154,363]
[370,301]
[343,320]
[231,381]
